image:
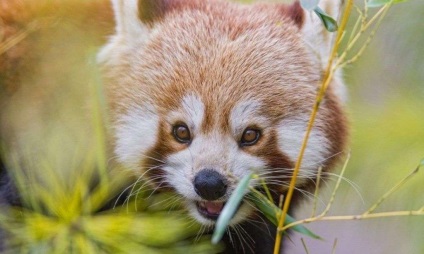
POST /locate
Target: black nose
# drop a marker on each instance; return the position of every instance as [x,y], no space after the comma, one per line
[210,184]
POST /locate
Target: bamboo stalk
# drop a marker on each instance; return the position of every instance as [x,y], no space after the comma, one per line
[326,81]
[363,216]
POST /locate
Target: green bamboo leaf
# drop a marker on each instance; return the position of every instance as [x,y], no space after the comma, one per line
[329,23]
[378,3]
[272,212]
[230,208]
[309,4]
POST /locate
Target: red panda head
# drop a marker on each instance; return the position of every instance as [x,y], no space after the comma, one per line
[203,92]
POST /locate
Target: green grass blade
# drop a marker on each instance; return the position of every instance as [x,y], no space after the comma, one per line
[230,208]
[272,212]
[329,23]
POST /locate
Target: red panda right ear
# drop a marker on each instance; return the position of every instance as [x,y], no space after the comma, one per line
[295,12]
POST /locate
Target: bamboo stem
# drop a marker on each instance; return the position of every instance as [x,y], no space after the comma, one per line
[391,191]
[326,81]
[355,217]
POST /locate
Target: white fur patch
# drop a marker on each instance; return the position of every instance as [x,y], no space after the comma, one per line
[291,133]
[245,114]
[213,151]
[136,133]
[192,112]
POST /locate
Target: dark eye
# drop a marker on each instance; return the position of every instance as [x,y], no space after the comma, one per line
[182,133]
[250,137]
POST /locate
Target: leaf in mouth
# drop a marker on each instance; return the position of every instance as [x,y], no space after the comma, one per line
[267,207]
[230,208]
[272,212]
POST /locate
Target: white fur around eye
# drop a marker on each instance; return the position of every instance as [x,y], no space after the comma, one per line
[291,133]
[136,133]
[245,114]
[194,109]
[191,112]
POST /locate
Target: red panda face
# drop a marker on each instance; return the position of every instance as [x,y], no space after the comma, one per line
[206,92]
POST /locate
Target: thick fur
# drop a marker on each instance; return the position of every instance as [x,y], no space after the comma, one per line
[221,67]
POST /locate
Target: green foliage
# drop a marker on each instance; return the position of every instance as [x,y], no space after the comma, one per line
[231,208]
[273,212]
[63,189]
[387,137]
[329,23]
[265,205]
[312,5]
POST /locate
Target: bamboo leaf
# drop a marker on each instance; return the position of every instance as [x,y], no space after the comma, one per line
[272,212]
[309,4]
[329,23]
[230,208]
[378,3]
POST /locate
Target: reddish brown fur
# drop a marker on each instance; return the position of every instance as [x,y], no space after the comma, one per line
[226,54]
[230,71]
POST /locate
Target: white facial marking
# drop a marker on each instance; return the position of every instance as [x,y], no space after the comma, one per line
[291,133]
[215,151]
[194,109]
[245,114]
[136,133]
[192,112]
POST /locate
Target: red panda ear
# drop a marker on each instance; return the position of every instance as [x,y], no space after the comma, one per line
[295,12]
[135,17]
[152,10]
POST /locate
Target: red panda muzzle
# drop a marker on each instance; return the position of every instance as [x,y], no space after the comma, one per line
[210,185]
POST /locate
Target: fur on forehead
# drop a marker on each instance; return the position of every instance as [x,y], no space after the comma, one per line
[223,51]
[203,58]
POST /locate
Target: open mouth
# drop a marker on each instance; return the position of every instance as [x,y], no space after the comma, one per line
[210,209]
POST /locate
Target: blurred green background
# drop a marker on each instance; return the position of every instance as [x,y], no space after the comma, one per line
[386,106]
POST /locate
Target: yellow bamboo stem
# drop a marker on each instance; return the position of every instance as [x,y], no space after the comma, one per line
[326,81]
[355,217]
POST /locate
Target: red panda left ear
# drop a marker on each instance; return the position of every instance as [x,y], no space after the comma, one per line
[150,11]
[295,12]
[134,18]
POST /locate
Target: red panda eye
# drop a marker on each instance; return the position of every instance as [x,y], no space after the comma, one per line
[250,137]
[182,133]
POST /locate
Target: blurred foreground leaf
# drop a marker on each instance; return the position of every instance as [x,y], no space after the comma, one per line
[272,212]
[111,232]
[230,208]
[67,193]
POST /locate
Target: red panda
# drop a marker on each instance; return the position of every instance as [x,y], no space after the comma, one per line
[202,92]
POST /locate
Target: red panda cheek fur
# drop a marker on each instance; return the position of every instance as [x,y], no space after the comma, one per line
[226,53]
